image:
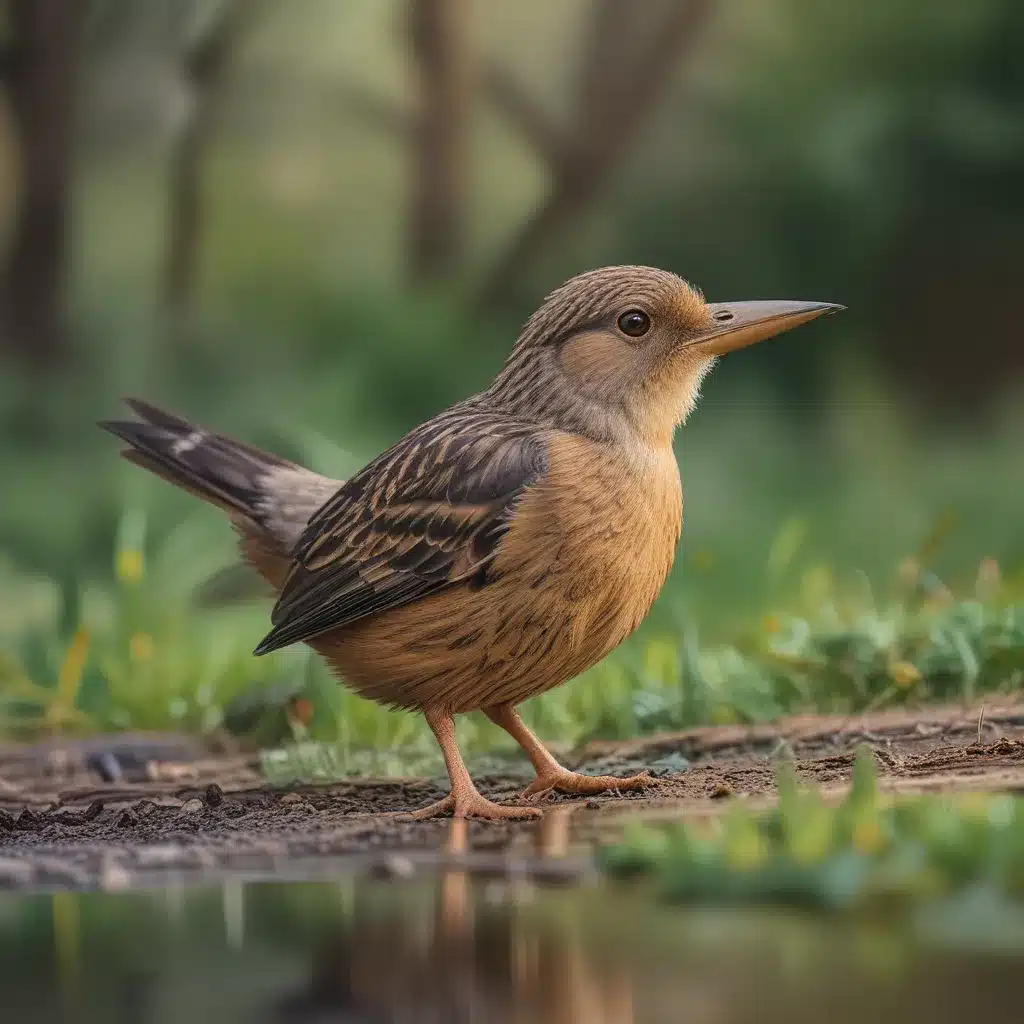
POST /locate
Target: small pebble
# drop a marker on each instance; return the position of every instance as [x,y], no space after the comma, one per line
[593,805]
[214,795]
[722,791]
[291,798]
[191,807]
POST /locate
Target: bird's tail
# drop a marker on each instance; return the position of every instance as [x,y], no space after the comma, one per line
[242,480]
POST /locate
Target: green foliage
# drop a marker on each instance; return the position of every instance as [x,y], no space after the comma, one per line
[164,641]
[868,852]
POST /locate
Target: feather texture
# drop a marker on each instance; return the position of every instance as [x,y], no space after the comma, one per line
[575,572]
[427,514]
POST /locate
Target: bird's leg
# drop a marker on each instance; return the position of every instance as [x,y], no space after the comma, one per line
[551,776]
[465,800]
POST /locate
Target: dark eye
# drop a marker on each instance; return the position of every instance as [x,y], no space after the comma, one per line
[635,323]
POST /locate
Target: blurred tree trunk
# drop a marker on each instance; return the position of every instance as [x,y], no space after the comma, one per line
[205,64]
[39,73]
[625,68]
[438,35]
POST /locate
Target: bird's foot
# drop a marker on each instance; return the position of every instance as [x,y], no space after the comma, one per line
[578,784]
[470,804]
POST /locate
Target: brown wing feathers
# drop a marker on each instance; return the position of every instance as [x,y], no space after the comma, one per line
[423,516]
[426,514]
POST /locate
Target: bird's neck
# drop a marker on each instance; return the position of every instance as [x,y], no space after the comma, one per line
[531,388]
[574,413]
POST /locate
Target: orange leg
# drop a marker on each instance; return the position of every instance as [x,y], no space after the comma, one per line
[551,776]
[464,801]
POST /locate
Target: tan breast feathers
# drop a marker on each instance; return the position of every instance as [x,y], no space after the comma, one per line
[589,549]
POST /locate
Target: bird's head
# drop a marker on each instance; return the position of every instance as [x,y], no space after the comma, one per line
[624,349]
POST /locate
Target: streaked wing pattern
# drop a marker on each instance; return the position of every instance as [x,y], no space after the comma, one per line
[428,513]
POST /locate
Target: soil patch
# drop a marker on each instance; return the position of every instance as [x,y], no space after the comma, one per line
[135,810]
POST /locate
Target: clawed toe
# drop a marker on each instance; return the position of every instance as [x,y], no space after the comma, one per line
[472,805]
[578,784]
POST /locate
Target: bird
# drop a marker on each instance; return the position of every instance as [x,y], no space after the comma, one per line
[503,546]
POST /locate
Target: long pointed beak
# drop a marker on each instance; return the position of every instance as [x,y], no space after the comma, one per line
[738,324]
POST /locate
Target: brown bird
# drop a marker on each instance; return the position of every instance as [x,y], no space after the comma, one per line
[507,544]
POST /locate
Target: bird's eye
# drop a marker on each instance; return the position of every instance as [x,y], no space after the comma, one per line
[634,323]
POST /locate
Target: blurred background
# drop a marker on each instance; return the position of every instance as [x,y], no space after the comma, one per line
[313,225]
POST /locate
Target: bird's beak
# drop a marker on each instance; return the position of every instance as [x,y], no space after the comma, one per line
[738,324]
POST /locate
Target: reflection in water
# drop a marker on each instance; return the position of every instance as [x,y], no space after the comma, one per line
[468,971]
[233,901]
[469,958]
[459,951]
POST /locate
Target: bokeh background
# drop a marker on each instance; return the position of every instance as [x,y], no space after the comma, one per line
[314,224]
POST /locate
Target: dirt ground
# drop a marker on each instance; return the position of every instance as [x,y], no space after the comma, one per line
[140,810]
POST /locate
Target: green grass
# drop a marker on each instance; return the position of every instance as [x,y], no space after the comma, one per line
[869,852]
[160,643]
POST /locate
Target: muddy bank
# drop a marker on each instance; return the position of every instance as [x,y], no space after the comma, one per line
[203,816]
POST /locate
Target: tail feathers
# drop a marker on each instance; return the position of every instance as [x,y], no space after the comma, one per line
[213,467]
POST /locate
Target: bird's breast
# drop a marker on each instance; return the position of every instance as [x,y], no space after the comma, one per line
[586,554]
[599,534]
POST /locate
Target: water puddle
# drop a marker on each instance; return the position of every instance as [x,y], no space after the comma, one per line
[457,949]
[474,924]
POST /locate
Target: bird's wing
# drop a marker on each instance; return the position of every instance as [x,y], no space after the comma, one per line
[426,514]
